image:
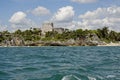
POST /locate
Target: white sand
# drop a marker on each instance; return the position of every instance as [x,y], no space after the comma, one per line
[111,44]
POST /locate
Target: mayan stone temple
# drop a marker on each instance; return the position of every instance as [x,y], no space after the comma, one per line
[48,26]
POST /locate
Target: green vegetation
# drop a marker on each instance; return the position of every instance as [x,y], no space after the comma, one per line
[34,34]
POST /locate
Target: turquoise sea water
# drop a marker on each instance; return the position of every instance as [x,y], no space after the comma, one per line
[60,63]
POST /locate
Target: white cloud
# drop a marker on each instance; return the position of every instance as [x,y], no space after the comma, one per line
[101,17]
[84,1]
[64,14]
[22,27]
[26,24]
[113,11]
[19,21]
[3,27]
[40,11]
[18,17]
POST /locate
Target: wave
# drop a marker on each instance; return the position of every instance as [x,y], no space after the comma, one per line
[26,69]
[91,78]
[70,77]
[73,77]
[2,73]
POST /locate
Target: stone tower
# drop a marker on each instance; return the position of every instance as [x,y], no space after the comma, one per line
[47,27]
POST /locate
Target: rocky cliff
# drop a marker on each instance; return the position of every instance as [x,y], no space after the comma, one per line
[16,41]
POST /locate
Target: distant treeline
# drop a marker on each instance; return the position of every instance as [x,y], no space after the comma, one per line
[35,34]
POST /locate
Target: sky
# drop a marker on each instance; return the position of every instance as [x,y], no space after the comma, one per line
[71,14]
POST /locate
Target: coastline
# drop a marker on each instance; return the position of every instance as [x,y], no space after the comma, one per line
[106,44]
[111,44]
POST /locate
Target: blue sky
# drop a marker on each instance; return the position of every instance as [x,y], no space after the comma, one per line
[75,13]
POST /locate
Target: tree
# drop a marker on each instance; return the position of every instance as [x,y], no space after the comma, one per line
[27,35]
[18,32]
[36,31]
[51,34]
[105,31]
[114,36]
[1,37]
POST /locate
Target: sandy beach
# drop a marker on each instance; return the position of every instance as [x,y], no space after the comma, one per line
[111,44]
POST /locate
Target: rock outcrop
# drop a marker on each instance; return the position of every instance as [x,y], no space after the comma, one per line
[14,42]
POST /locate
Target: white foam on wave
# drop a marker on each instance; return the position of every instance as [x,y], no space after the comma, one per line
[111,76]
[91,78]
[70,77]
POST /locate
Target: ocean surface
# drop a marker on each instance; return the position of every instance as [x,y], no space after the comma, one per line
[59,63]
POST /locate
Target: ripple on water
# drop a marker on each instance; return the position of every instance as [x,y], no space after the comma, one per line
[2,73]
[60,63]
[24,70]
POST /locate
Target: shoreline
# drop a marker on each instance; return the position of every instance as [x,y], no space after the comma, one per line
[111,44]
[107,44]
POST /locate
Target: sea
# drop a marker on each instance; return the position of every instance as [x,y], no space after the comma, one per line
[60,63]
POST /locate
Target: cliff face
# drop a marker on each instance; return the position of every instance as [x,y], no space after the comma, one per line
[14,42]
[89,40]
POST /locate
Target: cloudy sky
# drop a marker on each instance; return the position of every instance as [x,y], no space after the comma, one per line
[72,14]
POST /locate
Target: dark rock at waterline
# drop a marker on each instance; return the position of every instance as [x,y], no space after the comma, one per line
[54,44]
